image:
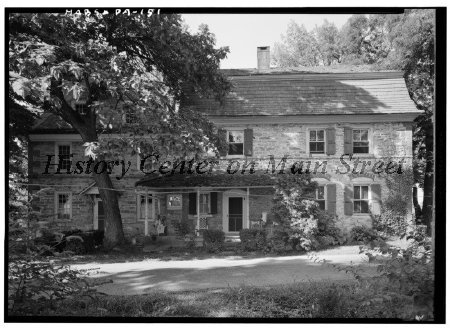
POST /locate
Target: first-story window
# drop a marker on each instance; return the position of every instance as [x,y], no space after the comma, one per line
[235,143]
[63,206]
[145,205]
[317,141]
[81,109]
[174,202]
[63,156]
[361,199]
[205,207]
[320,197]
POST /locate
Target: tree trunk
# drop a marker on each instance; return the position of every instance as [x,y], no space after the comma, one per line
[113,221]
[428,183]
[417,208]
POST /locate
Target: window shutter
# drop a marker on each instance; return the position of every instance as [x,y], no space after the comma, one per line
[348,141]
[348,200]
[192,203]
[331,141]
[223,135]
[248,142]
[213,196]
[331,198]
[375,191]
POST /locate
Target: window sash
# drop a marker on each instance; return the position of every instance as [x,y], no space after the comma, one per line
[142,203]
[361,199]
[205,203]
[64,156]
[175,203]
[235,143]
[360,140]
[320,197]
[63,206]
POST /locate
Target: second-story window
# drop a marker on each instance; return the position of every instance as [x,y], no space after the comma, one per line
[63,156]
[320,197]
[317,141]
[361,141]
[235,143]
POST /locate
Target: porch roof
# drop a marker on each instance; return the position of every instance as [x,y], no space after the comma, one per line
[207,180]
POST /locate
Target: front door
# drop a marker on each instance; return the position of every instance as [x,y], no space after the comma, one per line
[99,216]
[235,216]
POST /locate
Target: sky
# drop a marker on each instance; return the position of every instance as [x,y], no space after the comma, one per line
[243,33]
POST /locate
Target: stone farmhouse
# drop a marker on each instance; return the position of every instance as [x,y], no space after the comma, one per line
[351,123]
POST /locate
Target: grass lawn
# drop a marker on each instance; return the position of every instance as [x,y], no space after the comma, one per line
[300,300]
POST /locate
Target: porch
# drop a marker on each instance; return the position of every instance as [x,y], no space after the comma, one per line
[209,201]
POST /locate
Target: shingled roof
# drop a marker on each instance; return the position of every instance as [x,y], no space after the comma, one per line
[309,91]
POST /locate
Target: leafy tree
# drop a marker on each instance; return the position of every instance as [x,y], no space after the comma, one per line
[21,118]
[328,39]
[122,66]
[298,48]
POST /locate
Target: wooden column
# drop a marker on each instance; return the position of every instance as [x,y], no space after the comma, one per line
[146,214]
[198,210]
[247,210]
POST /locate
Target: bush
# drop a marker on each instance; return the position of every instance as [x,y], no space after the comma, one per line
[364,234]
[253,239]
[277,241]
[389,223]
[327,233]
[213,240]
[185,231]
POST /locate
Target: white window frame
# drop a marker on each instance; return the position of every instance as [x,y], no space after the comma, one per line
[369,139]
[57,205]
[243,143]
[324,140]
[156,210]
[368,199]
[57,145]
[209,203]
[176,207]
[324,195]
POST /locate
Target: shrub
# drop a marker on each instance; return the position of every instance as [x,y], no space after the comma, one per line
[213,240]
[253,239]
[277,241]
[294,210]
[185,231]
[363,234]
[390,223]
[328,233]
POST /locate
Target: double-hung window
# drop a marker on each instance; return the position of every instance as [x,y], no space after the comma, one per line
[320,197]
[205,203]
[235,143]
[63,156]
[317,141]
[361,199]
[360,141]
[63,203]
[145,205]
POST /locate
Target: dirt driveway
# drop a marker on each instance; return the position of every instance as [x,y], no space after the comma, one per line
[140,277]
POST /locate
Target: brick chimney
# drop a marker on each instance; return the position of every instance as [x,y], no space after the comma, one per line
[263,58]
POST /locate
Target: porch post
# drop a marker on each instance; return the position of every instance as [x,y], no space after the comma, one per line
[146,214]
[247,209]
[198,211]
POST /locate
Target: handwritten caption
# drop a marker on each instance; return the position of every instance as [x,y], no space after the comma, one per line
[127,12]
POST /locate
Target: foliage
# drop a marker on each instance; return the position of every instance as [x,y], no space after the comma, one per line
[389,223]
[277,241]
[364,234]
[328,233]
[136,66]
[295,210]
[35,285]
[213,240]
[252,239]
[184,230]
